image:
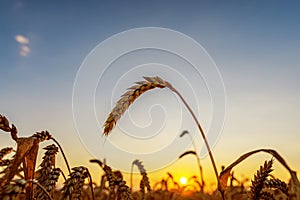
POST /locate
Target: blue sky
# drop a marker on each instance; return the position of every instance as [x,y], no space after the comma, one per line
[255,45]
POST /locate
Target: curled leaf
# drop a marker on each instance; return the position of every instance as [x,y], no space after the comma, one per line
[224,178]
[187,153]
[184,133]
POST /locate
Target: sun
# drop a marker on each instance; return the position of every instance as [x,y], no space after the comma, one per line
[183,180]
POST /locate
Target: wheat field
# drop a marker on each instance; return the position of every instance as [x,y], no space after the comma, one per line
[23,176]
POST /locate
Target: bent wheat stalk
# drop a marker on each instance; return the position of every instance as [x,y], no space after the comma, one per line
[144,183]
[226,172]
[63,154]
[137,90]
[198,159]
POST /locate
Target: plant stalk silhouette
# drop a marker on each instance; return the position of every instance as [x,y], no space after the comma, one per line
[134,92]
[198,159]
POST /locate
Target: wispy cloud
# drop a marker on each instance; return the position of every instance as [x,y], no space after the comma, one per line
[22,39]
[25,50]
[24,42]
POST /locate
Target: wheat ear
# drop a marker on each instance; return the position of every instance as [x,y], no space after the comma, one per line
[264,195]
[13,189]
[129,97]
[49,184]
[115,182]
[144,183]
[259,179]
[45,135]
[73,186]
[141,87]
[5,151]
[277,184]
[4,126]
[16,187]
[48,163]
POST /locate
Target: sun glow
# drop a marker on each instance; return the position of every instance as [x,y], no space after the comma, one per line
[183,180]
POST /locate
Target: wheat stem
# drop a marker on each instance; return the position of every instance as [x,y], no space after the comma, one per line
[203,136]
[91,183]
[141,87]
[42,188]
[198,160]
[62,151]
[131,176]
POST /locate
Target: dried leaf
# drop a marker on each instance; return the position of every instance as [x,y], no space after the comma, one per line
[23,147]
[224,179]
[30,160]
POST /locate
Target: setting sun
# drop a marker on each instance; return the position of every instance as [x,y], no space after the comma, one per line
[183,180]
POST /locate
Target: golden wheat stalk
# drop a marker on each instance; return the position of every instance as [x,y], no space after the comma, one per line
[49,184]
[129,97]
[48,163]
[73,186]
[116,185]
[137,90]
[144,183]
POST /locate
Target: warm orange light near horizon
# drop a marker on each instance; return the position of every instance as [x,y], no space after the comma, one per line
[183,180]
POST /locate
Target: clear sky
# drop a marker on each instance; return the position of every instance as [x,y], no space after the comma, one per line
[255,45]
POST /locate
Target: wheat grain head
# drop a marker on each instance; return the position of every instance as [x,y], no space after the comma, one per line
[277,184]
[144,183]
[13,189]
[73,186]
[129,97]
[260,178]
[50,183]
[48,163]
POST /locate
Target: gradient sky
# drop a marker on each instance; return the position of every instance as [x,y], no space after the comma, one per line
[255,45]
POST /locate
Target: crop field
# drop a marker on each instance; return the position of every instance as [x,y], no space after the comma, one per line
[23,176]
